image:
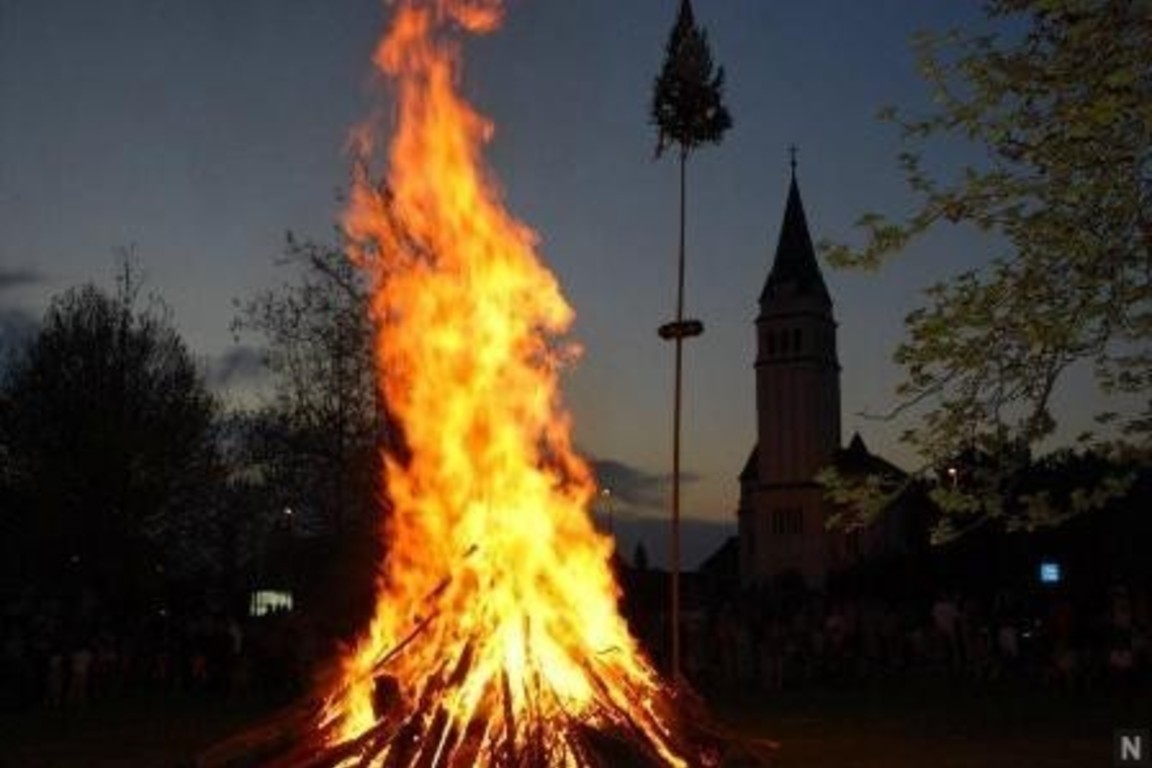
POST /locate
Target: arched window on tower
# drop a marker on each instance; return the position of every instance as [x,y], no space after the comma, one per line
[771,344]
[787,521]
[796,340]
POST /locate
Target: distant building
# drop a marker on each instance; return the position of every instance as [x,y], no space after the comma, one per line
[782,510]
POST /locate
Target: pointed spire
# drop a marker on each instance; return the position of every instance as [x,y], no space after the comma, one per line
[795,271]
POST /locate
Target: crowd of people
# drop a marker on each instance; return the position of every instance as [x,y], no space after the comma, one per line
[1047,639]
[56,659]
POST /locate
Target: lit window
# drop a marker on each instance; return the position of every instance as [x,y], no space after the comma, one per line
[1050,573]
[265,601]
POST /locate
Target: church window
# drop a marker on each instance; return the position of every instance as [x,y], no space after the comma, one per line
[788,521]
[771,344]
[796,340]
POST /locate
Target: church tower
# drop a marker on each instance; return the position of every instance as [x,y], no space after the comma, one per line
[782,511]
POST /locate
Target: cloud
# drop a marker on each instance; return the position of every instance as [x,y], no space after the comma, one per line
[239,365]
[18,278]
[637,487]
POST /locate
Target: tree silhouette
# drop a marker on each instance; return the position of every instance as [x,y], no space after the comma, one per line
[687,101]
[1057,99]
[109,436]
[688,111]
[316,443]
[640,557]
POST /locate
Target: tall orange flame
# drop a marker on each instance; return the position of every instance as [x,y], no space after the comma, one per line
[497,612]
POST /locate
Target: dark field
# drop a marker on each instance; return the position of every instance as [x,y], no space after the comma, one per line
[941,726]
[927,724]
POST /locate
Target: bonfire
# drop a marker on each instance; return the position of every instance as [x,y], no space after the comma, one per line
[497,638]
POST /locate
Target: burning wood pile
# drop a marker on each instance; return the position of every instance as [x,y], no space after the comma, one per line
[497,639]
[536,728]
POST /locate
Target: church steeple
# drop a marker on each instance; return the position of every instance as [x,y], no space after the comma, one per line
[782,507]
[795,272]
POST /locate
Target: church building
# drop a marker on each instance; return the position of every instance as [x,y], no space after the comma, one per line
[782,510]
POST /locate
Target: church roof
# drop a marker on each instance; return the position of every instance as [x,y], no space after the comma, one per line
[750,466]
[795,271]
[856,459]
[725,561]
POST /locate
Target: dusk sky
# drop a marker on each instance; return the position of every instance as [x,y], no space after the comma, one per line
[199,132]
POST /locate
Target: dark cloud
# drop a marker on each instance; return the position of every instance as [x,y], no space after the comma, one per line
[17,278]
[637,487]
[239,365]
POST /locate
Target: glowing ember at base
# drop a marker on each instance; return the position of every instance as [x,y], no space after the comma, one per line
[497,639]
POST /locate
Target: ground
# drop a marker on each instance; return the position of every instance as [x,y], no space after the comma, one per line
[941,725]
[937,724]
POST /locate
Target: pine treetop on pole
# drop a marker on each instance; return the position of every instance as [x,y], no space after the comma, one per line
[688,110]
[688,98]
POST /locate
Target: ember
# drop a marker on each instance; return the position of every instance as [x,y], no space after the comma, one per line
[497,639]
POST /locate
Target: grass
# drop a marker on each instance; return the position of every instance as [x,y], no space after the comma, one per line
[937,724]
[941,725]
[141,732]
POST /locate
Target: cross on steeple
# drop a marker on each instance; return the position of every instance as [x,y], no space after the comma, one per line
[792,152]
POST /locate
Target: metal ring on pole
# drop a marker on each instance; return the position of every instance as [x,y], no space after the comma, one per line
[683,329]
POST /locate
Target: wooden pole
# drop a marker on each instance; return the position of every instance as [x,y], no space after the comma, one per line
[674,546]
